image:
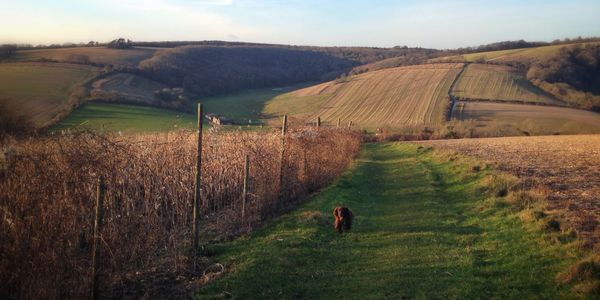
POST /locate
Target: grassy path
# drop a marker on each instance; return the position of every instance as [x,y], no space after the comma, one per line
[418,234]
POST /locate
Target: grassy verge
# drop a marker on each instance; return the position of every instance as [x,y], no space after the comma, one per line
[426,227]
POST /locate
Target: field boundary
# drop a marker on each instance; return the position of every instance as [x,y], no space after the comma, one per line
[455,99]
[450,95]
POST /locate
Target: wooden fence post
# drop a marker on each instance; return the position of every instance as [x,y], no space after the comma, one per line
[339,122]
[318,122]
[197,186]
[98,218]
[349,124]
[284,126]
[282,155]
[245,191]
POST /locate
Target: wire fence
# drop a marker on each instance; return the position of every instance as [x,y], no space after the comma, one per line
[48,191]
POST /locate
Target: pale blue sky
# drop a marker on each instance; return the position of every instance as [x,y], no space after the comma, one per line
[436,24]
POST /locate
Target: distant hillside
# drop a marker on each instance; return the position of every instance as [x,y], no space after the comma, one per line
[394,97]
[499,83]
[43,92]
[572,75]
[569,72]
[85,55]
[521,57]
[208,70]
[411,56]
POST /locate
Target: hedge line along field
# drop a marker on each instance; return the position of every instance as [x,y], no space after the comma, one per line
[502,119]
[492,82]
[48,187]
[385,98]
[41,90]
[99,55]
[124,117]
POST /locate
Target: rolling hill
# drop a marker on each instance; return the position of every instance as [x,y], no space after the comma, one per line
[41,91]
[494,82]
[386,98]
[523,55]
[205,70]
[131,89]
[84,55]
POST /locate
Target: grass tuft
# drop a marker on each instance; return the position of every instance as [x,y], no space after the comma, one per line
[585,274]
[314,217]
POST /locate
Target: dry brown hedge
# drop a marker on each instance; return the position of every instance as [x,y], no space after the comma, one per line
[47,188]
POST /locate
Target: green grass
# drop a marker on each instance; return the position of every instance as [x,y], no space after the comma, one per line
[420,232]
[40,90]
[241,106]
[245,105]
[120,117]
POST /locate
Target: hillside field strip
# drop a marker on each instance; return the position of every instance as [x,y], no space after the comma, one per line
[40,90]
[491,82]
[394,97]
[566,165]
[512,55]
[518,119]
[127,88]
[101,55]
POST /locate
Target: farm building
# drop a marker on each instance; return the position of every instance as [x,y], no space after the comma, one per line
[218,120]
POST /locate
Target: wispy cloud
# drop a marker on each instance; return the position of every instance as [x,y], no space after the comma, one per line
[192,19]
[428,23]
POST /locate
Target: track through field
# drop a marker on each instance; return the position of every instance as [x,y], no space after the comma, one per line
[419,232]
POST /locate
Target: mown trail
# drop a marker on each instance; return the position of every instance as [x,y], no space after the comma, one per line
[420,232]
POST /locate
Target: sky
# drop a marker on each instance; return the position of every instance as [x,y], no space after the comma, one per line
[376,23]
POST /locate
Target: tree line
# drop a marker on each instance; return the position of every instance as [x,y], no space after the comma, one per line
[210,70]
[508,45]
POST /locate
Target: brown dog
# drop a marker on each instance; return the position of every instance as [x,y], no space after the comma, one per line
[343,218]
